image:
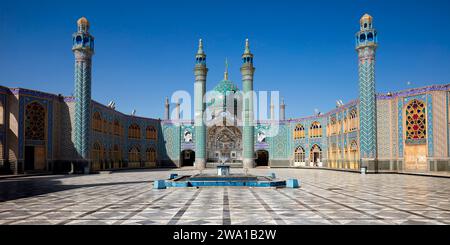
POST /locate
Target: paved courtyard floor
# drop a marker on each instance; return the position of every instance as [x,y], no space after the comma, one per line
[127,198]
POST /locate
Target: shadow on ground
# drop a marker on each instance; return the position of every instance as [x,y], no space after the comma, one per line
[12,189]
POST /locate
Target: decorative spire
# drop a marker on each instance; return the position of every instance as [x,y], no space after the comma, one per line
[200,47]
[225,75]
[247,47]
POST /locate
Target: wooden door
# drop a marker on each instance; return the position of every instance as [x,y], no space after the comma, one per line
[39,158]
[416,158]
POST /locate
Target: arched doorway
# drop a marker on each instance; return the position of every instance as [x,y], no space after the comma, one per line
[316,156]
[262,158]
[299,157]
[187,158]
[35,137]
[415,127]
[354,155]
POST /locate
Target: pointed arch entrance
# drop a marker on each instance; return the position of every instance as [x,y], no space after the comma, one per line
[35,137]
[299,157]
[187,158]
[262,158]
[316,156]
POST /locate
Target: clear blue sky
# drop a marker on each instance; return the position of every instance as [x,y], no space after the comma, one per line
[145,49]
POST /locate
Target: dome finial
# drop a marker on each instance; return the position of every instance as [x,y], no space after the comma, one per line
[225,75]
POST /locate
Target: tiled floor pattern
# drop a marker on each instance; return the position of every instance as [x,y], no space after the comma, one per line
[127,198]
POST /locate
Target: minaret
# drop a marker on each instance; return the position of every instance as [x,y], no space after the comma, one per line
[282,110]
[247,71]
[167,109]
[177,111]
[272,110]
[200,72]
[366,45]
[83,48]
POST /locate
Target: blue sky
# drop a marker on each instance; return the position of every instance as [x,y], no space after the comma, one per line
[145,49]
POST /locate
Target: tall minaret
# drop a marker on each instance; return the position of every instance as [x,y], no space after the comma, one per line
[200,72]
[167,109]
[366,45]
[282,110]
[83,48]
[272,110]
[177,110]
[247,71]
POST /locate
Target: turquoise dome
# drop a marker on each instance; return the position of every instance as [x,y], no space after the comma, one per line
[226,86]
[222,88]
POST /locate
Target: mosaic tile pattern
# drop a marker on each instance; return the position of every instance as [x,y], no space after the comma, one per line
[127,198]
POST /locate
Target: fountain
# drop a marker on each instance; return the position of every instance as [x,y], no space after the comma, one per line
[223,169]
[224,177]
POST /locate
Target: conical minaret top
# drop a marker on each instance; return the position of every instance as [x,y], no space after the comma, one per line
[200,57]
[200,47]
[82,41]
[247,57]
[367,35]
[83,25]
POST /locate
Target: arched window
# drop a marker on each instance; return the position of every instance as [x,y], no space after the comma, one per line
[134,131]
[354,155]
[151,155]
[315,130]
[117,128]
[333,126]
[97,122]
[134,154]
[416,121]
[370,36]
[35,115]
[299,155]
[299,132]
[362,38]
[151,133]
[353,120]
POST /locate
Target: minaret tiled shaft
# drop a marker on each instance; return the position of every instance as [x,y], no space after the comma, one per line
[200,72]
[83,49]
[272,110]
[282,110]
[247,71]
[366,45]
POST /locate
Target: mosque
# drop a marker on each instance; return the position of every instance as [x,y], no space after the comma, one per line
[404,131]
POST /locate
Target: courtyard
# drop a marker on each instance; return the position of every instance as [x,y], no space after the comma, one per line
[128,198]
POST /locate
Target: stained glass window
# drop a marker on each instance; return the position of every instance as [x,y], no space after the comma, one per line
[315,130]
[415,121]
[299,132]
[34,122]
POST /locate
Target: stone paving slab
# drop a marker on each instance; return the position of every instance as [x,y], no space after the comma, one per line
[128,198]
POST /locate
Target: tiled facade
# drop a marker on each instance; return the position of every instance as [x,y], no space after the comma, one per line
[78,134]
